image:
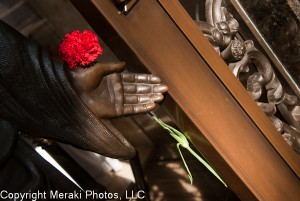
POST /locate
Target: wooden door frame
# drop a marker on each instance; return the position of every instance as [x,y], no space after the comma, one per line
[218,66]
[205,100]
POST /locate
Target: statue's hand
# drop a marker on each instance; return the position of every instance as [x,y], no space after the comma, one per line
[109,93]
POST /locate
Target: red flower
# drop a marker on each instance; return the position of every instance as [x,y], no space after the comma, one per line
[79,49]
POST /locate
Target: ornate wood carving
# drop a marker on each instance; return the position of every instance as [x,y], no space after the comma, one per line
[254,69]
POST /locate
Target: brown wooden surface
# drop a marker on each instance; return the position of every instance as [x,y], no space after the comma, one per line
[199,103]
[189,28]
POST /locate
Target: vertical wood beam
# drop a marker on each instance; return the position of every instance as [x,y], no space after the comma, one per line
[199,103]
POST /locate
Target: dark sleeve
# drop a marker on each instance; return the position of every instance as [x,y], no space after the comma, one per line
[36,95]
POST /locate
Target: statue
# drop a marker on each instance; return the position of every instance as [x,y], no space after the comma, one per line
[43,99]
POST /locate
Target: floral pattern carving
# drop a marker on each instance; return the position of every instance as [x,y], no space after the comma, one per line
[254,70]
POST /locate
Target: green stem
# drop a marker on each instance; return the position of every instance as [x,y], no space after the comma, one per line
[182,141]
[185,165]
[205,164]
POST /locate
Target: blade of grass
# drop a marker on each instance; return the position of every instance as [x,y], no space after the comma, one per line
[185,165]
[182,141]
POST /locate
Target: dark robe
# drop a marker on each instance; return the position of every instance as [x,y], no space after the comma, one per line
[23,170]
[38,99]
[36,95]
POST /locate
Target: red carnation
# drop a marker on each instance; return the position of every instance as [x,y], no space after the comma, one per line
[79,49]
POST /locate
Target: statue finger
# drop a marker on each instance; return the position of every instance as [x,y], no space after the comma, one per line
[138,108]
[140,78]
[147,98]
[144,88]
[137,88]
[161,88]
[109,67]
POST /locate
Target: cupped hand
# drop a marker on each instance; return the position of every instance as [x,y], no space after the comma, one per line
[108,92]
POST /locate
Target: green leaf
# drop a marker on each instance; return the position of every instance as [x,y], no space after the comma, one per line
[182,141]
[185,165]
